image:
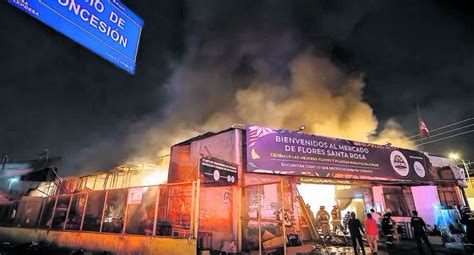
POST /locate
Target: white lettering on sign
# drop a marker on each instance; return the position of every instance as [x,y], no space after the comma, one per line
[116,19]
[94,21]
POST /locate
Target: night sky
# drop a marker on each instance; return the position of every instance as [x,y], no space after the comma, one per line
[56,94]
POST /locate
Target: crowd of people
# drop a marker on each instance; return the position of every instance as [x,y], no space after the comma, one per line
[373,223]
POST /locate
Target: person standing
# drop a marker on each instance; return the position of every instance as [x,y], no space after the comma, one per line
[323,221]
[355,229]
[346,219]
[468,221]
[419,232]
[372,233]
[387,228]
[336,219]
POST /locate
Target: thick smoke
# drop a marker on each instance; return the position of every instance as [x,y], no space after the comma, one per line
[246,79]
[261,69]
[205,64]
[286,63]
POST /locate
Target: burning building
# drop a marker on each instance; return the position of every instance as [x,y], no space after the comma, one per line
[243,189]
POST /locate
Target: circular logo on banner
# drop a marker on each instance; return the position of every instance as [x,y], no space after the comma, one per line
[399,163]
[217,175]
[419,169]
[230,179]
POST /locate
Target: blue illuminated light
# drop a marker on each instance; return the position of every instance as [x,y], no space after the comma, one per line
[14,179]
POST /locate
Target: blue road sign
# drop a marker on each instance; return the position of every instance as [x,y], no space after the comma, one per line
[106,27]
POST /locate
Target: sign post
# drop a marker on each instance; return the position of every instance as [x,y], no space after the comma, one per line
[105,27]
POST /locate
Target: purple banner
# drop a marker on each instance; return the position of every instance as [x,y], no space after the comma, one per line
[279,151]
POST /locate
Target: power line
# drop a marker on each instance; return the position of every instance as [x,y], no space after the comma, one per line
[443,127]
[445,132]
[444,138]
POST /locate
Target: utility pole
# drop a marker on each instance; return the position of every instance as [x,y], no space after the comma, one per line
[5,160]
[466,165]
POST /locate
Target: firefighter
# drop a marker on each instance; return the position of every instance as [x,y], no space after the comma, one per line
[323,221]
[388,229]
[345,220]
[336,219]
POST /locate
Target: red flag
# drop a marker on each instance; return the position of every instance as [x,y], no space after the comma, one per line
[424,132]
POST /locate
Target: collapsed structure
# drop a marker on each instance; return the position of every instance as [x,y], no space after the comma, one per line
[243,189]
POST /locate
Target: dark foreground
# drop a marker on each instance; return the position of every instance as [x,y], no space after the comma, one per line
[405,247]
[402,248]
[7,248]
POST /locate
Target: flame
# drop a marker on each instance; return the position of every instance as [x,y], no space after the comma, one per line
[155,178]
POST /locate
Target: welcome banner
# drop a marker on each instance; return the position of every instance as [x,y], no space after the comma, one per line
[279,151]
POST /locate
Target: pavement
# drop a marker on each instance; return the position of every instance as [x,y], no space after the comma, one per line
[34,248]
[405,247]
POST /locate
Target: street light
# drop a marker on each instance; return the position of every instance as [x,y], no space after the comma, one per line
[455,156]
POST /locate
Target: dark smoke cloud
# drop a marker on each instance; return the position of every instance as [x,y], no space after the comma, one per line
[197,59]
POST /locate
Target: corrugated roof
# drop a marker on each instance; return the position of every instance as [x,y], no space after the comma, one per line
[202,136]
